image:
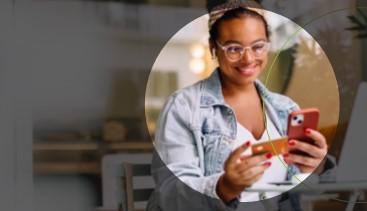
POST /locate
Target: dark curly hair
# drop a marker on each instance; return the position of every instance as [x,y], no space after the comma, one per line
[237,13]
[211,4]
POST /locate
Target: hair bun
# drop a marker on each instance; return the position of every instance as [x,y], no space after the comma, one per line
[219,10]
[213,4]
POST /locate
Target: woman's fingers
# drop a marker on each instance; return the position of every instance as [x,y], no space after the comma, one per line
[236,154]
[253,172]
[250,161]
[255,179]
[317,137]
[310,149]
[315,151]
[303,160]
[240,170]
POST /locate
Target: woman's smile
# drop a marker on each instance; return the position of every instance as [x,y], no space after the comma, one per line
[248,70]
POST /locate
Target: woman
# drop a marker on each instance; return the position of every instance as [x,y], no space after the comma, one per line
[204,129]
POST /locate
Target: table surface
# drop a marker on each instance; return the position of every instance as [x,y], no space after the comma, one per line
[311,187]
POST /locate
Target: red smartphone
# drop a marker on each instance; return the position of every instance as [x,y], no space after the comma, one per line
[300,120]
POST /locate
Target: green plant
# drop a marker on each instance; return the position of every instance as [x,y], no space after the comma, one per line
[360,24]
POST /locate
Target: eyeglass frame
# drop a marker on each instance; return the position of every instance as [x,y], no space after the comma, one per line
[225,47]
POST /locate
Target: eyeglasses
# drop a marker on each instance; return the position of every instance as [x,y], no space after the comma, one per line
[234,52]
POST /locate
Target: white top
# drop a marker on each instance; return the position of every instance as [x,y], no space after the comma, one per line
[275,173]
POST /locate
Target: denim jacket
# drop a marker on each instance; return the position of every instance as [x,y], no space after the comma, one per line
[196,131]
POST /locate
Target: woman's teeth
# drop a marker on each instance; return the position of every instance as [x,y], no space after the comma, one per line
[247,70]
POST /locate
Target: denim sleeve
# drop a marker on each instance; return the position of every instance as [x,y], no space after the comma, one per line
[176,147]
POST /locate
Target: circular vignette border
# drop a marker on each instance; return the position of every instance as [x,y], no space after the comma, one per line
[269,71]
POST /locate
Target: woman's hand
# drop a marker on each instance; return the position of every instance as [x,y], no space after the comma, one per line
[240,172]
[315,152]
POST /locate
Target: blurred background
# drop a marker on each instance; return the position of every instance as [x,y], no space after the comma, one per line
[85,80]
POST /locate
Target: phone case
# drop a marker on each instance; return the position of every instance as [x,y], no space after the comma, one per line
[298,121]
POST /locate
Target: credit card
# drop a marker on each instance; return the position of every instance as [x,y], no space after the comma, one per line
[275,147]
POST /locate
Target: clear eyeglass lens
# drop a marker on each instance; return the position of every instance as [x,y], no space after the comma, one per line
[235,52]
[258,49]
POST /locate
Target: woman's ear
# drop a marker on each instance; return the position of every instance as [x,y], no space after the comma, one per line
[212,49]
[214,56]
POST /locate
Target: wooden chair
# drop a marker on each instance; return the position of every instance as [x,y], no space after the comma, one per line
[114,196]
[138,184]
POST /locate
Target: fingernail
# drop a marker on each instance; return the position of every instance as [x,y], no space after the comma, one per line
[247,143]
[308,131]
[291,142]
[286,160]
[268,155]
[267,164]
[285,155]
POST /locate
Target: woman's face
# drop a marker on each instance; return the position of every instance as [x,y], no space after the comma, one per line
[245,31]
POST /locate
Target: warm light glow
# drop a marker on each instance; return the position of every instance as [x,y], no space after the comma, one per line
[197,66]
[197,51]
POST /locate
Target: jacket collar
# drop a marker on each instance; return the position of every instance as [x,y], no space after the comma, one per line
[212,90]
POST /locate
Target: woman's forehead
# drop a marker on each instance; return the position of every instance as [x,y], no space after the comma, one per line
[244,30]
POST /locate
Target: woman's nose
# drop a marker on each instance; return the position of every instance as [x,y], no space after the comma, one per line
[247,57]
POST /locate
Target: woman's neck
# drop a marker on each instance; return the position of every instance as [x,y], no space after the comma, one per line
[231,90]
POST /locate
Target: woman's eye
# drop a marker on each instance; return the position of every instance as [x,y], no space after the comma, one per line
[258,47]
[234,49]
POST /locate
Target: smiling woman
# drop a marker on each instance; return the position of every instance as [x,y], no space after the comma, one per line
[204,129]
[242,37]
